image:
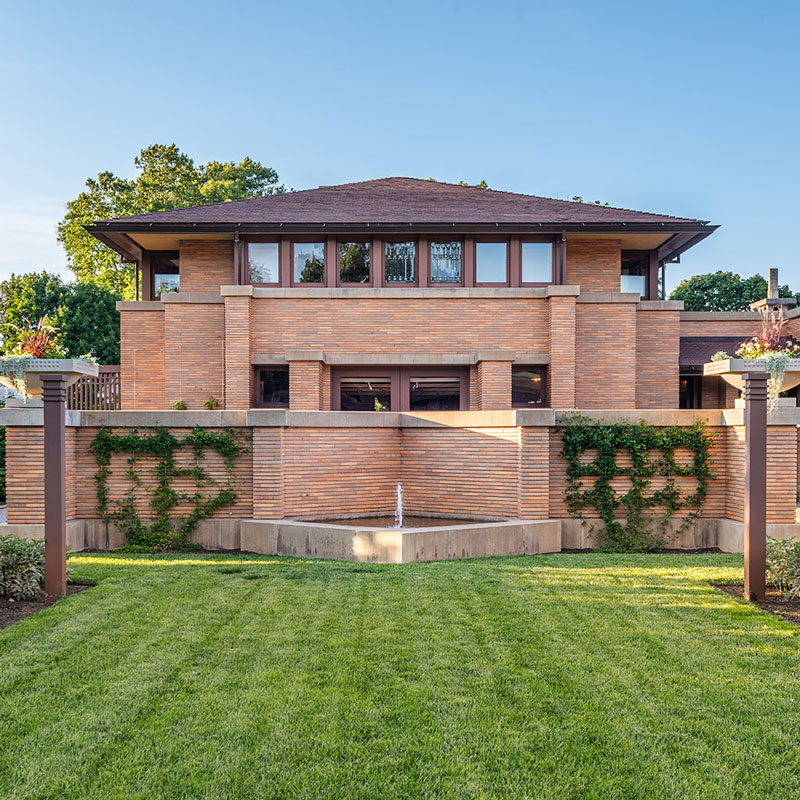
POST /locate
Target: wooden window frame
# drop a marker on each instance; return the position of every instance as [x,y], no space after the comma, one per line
[326,260]
[552,241]
[398,240]
[445,239]
[337,266]
[400,382]
[491,240]
[246,256]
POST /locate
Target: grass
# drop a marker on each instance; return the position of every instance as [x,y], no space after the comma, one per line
[564,676]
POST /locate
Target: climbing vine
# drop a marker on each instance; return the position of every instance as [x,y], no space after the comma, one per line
[637,519]
[164,532]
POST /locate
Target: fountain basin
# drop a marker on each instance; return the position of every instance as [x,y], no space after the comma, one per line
[362,540]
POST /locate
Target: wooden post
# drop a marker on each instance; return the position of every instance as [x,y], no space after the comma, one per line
[755,485]
[54,396]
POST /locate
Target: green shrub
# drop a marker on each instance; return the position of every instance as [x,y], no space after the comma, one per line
[783,566]
[21,568]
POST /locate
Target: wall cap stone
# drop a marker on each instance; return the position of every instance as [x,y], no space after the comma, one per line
[407,293]
[139,305]
[720,316]
[191,297]
[609,297]
[659,305]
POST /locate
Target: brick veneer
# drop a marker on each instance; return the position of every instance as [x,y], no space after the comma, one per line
[25,475]
[561,372]
[205,264]
[305,385]
[142,359]
[594,264]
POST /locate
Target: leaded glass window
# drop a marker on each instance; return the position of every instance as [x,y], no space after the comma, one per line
[445,262]
[399,261]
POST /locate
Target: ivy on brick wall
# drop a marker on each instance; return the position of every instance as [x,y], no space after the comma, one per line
[636,519]
[165,532]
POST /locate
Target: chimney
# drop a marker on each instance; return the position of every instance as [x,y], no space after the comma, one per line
[772,292]
[772,302]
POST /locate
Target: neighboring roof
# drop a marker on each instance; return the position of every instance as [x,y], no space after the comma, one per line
[696,350]
[401,200]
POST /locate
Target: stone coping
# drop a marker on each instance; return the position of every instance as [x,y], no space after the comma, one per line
[659,305]
[276,417]
[405,293]
[720,316]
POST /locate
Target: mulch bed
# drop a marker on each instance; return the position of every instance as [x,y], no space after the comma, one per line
[788,609]
[13,611]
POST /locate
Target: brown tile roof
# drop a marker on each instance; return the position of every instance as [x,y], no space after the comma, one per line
[399,200]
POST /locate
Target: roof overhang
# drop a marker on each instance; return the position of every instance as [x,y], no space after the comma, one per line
[122,236]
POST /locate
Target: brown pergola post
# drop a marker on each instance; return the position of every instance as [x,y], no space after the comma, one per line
[54,396]
[755,485]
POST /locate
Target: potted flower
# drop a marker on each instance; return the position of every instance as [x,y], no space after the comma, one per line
[38,352]
[770,351]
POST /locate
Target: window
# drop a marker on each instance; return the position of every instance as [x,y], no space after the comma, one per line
[400,388]
[537,262]
[400,260]
[365,393]
[163,283]
[434,394]
[491,262]
[445,262]
[272,388]
[527,386]
[309,262]
[353,262]
[633,272]
[262,262]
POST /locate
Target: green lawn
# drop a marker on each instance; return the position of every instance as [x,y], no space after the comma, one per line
[564,676]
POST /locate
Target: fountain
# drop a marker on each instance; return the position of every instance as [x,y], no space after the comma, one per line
[398,509]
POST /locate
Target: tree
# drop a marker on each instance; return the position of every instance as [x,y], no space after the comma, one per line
[723,291]
[167,179]
[85,314]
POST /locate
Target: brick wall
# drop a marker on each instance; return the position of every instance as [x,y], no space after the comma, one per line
[561,371]
[195,333]
[25,475]
[238,370]
[305,385]
[657,359]
[594,264]
[142,359]
[711,327]
[605,357]
[494,384]
[365,325]
[206,264]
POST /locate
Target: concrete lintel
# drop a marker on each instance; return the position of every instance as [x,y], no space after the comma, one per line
[265,359]
[305,355]
[191,297]
[536,417]
[167,418]
[139,305]
[392,359]
[659,305]
[609,297]
[494,355]
[532,358]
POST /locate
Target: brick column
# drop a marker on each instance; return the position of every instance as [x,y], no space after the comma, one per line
[494,379]
[25,475]
[561,373]
[305,379]
[238,370]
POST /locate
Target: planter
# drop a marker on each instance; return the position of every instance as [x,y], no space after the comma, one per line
[732,369]
[34,368]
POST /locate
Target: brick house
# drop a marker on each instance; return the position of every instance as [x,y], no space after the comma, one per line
[413,332]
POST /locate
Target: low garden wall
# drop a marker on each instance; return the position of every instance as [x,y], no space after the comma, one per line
[495,465]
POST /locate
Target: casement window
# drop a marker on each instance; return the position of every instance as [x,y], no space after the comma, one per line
[308,262]
[528,386]
[272,387]
[354,264]
[491,263]
[446,262]
[537,262]
[400,389]
[165,282]
[400,262]
[263,262]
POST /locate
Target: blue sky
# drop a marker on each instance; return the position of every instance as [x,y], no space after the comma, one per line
[688,108]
